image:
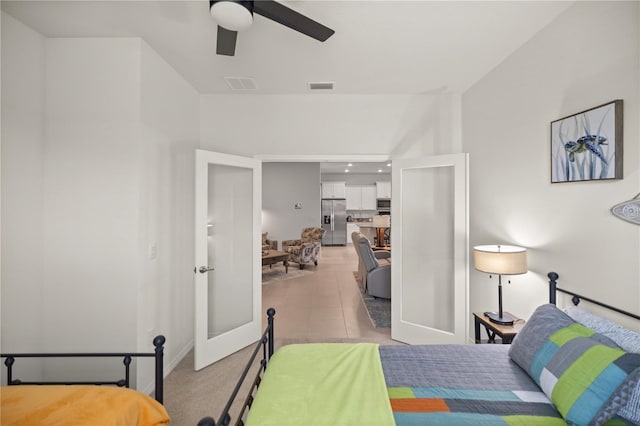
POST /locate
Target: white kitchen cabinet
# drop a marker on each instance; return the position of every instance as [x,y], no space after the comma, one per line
[369,197]
[354,198]
[383,189]
[333,189]
[361,197]
[351,228]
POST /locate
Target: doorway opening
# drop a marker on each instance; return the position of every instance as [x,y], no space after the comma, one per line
[292,200]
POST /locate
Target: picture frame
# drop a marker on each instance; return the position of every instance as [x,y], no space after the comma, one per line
[588,146]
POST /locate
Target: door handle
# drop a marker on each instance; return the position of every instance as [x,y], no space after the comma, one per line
[203,269]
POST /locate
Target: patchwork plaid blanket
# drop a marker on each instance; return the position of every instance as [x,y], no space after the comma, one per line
[466,385]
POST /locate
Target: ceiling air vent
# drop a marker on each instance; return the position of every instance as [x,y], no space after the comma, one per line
[241,84]
[321,85]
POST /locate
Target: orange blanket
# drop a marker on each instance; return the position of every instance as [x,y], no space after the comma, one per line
[78,405]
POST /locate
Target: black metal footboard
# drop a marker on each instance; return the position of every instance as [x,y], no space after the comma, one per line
[266,344]
[158,354]
[575,298]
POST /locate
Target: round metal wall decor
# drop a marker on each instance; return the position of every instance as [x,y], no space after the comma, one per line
[629,210]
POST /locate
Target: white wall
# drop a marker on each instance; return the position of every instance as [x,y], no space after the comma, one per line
[301,124]
[567,227]
[169,136]
[22,186]
[430,125]
[97,169]
[400,125]
[284,185]
[91,192]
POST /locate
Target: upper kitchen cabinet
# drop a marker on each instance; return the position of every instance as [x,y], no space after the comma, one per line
[354,198]
[369,197]
[383,189]
[361,197]
[334,190]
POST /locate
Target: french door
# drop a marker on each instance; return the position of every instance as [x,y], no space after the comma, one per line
[429,291]
[228,292]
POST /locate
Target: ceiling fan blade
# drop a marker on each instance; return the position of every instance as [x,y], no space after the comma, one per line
[292,19]
[226,41]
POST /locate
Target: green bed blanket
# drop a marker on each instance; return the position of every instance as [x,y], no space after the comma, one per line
[342,384]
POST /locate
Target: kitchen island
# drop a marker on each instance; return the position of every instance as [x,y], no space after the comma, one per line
[369,230]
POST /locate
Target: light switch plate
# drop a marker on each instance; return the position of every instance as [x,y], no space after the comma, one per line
[153,251]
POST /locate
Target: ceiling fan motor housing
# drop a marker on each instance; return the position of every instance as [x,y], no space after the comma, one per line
[237,15]
[234,15]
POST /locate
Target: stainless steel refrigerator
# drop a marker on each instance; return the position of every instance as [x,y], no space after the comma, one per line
[334,222]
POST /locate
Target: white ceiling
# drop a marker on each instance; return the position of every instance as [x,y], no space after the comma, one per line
[398,47]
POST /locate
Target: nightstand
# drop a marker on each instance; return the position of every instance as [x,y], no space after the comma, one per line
[505,332]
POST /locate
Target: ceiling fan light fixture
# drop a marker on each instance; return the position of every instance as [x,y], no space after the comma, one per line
[232,15]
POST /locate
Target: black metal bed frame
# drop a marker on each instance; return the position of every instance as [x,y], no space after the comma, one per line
[576,298]
[158,354]
[266,343]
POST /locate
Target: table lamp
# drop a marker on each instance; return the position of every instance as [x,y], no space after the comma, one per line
[381,222]
[500,260]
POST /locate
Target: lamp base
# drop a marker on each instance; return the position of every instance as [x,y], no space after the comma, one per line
[502,320]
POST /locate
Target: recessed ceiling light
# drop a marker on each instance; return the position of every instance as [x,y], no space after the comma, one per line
[346,170]
[349,164]
[379,170]
[388,164]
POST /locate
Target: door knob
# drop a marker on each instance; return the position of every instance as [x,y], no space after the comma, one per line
[204,269]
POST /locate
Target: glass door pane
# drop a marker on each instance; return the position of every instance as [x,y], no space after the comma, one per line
[230,284]
[428,276]
[429,240]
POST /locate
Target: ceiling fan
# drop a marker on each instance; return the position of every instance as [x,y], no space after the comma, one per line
[237,15]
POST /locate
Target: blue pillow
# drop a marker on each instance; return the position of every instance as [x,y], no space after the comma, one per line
[628,340]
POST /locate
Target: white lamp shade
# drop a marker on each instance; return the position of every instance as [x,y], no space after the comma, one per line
[381,221]
[498,259]
[231,15]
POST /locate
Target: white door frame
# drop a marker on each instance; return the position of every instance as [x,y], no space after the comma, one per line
[320,158]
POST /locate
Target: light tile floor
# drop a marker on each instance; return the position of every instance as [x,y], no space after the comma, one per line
[325,304]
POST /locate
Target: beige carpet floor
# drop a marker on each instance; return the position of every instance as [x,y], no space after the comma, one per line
[191,395]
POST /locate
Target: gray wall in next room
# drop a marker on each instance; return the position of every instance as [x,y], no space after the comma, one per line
[284,185]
